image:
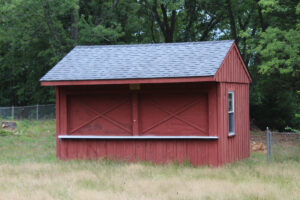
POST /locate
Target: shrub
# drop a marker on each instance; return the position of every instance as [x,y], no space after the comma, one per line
[4,132]
[273,103]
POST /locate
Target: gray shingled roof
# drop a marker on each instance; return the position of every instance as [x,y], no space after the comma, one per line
[172,60]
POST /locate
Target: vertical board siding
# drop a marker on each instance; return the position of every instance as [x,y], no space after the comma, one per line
[156,151]
[92,150]
[233,76]
[221,134]
[173,113]
[99,114]
[57,122]
[233,69]
[236,147]
[197,152]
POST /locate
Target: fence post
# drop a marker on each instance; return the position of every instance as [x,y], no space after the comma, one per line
[268,143]
[12,112]
[37,112]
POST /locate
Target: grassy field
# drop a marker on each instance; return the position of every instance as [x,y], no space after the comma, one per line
[29,170]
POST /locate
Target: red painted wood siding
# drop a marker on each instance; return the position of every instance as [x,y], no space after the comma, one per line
[166,109]
[233,69]
[173,113]
[187,107]
[235,147]
[233,76]
[157,151]
[57,121]
[99,114]
[173,108]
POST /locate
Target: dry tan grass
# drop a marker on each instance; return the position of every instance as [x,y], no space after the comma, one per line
[29,170]
[252,179]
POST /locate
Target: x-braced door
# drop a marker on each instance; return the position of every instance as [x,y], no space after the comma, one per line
[173,113]
[101,114]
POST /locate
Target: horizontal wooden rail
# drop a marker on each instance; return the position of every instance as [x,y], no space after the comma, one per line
[135,137]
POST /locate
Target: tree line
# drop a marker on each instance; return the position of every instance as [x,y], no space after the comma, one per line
[36,34]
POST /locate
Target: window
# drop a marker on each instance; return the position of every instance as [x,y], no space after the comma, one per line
[231,113]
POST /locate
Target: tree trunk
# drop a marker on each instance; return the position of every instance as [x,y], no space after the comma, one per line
[74,26]
[168,30]
[261,19]
[212,23]
[190,19]
[231,21]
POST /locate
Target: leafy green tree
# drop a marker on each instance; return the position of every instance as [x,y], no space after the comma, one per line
[275,51]
[36,34]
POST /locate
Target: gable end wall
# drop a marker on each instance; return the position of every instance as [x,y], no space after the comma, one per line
[233,69]
[238,146]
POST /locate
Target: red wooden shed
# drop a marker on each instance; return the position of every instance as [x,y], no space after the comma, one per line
[153,102]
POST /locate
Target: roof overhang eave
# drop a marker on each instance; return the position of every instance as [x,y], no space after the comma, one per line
[128,81]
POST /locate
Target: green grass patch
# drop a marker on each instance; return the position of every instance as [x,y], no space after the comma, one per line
[31,142]
[4,132]
[28,168]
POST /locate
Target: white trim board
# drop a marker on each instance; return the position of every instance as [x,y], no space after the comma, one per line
[135,137]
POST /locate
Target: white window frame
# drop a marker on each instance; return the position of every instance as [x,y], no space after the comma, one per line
[229,112]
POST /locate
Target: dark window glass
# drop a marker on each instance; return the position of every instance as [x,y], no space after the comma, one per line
[231,122]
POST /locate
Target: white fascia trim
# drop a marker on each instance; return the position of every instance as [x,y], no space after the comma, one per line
[135,137]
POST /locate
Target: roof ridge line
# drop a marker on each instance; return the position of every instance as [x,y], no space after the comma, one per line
[152,44]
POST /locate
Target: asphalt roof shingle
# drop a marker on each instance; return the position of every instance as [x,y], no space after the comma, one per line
[164,60]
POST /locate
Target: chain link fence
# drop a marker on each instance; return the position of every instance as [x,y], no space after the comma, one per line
[283,145]
[277,146]
[36,112]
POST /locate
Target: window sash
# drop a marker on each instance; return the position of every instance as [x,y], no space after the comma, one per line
[231,120]
[230,102]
